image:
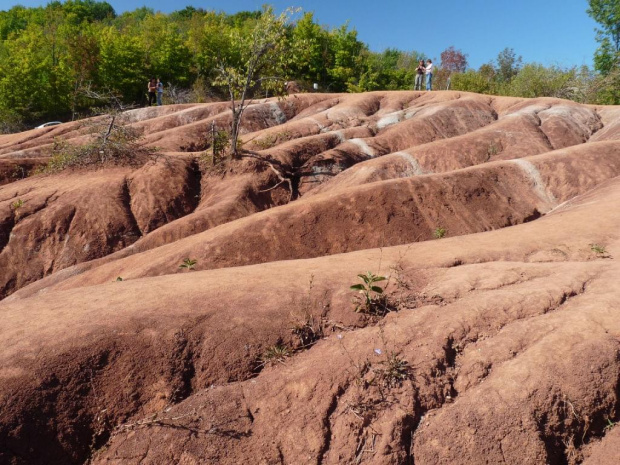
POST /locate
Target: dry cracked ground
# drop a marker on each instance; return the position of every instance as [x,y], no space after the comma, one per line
[501,346]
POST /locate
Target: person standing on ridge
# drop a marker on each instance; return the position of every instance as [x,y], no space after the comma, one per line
[152,86]
[429,74]
[419,78]
[160,91]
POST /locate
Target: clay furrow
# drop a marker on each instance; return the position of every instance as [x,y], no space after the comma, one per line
[327,423]
[539,127]
[6,229]
[125,198]
[598,128]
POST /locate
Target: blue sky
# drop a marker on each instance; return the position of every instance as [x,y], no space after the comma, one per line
[545,31]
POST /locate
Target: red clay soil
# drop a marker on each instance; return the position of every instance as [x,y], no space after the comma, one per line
[502,346]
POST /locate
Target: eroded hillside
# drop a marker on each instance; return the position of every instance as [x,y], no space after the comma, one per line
[504,338]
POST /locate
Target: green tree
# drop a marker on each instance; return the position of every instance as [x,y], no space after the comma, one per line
[347,64]
[607,14]
[311,53]
[88,10]
[121,63]
[166,52]
[14,20]
[255,60]
[389,70]
[508,65]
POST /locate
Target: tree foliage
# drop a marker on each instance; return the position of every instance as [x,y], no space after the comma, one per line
[453,60]
[607,14]
[49,54]
[508,65]
[253,61]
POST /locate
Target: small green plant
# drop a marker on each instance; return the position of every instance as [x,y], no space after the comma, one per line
[372,297]
[19,203]
[610,424]
[492,150]
[266,142]
[395,371]
[272,139]
[598,249]
[119,278]
[188,264]
[439,232]
[275,354]
[20,172]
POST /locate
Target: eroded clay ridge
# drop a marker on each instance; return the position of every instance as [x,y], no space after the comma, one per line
[503,343]
[530,156]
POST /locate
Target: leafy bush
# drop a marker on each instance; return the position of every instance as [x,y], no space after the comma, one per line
[535,80]
[10,122]
[472,81]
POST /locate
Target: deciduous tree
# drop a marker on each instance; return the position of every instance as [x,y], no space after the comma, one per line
[607,14]
[255,60]
[453,60]
[508,65]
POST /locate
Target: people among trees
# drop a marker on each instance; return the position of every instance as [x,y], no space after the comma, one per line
[51,54]
[160,91]
[429,74]
[419,77]
[152,89]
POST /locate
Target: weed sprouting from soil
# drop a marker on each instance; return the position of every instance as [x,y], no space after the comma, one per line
[308,320]
[395,370]
[598,249]
[610,424]
[277,353]
[19,203]
[21,172]
[372,300]
[492,150]
[439,233]
[188,264]
[271,140]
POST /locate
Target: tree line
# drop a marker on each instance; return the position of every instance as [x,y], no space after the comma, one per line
[52,58]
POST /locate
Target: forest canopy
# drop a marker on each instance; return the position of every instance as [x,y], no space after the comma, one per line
[50,55]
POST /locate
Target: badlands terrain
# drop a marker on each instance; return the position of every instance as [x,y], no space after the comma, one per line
[501,346]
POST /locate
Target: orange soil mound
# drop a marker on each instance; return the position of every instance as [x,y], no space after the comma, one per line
[504,343]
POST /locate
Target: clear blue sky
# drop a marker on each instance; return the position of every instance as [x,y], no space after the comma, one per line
[545,31]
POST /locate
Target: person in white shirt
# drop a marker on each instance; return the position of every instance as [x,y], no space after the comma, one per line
[429,74]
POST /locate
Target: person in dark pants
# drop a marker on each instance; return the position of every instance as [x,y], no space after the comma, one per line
[152,86]
[419,78]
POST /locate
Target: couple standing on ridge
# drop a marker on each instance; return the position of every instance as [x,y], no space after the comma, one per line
[155,86]
[422,70]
